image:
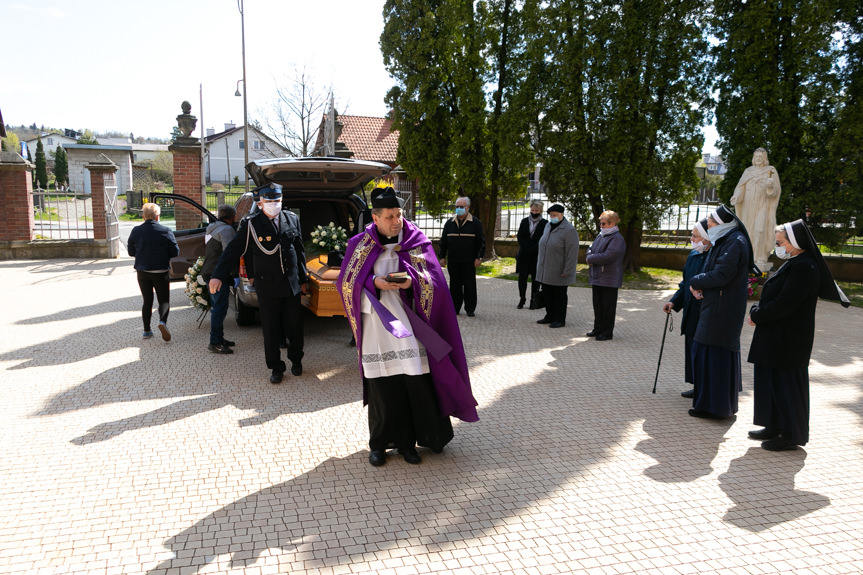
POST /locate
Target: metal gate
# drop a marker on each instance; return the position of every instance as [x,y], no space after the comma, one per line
[112,216]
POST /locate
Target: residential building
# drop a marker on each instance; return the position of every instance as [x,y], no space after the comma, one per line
[224,152]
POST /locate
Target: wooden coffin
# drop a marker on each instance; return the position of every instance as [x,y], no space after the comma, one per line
[323,299]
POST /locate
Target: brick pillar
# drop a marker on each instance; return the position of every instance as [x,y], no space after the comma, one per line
[187,182]
[188,164]
[16,197]
[99,168]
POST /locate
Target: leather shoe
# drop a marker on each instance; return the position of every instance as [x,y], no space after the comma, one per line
[543,320]
[778,444]
[603,337]
[520,304]
[378,457]
[704,414]
[220,348]
[471,314]
[557,324]
[591,333]
[689,394]
[277,376]
[228,343]
[764,434]
[411,456]
[297,368]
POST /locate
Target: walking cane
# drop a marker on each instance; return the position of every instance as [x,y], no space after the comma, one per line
[659,361]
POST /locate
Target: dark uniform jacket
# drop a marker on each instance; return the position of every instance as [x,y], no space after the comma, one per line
[528,245]
[275,259]
[724,280]
[785,316]
[682,298]
[462,242]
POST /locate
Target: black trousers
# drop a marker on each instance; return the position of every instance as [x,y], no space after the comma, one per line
[158,282]
[281,317]
[522,284]
[403,412]
[462,285]
[556,300]
[604,310]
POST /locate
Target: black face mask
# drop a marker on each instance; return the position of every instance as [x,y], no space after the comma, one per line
[534,216]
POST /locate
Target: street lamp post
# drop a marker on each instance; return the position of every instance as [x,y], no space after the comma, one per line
[245,95]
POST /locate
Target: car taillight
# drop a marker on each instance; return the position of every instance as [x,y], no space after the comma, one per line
[243,267]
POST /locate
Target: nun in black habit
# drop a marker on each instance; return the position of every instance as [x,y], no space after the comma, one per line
[722,288]
[784,321]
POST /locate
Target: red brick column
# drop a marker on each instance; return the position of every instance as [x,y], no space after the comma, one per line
[187,182]
[99,168]
[16,197]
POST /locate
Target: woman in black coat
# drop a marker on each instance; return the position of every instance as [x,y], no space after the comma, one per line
[784,321]
[529,234]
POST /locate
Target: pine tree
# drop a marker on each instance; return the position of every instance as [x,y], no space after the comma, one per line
[41,165]
[61,167]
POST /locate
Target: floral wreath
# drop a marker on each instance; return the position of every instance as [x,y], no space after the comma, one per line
[196,287]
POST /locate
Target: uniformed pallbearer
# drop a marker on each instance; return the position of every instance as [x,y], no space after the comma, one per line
[271,243]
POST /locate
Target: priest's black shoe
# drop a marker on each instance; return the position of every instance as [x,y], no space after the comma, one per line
[520,303]
[764,434]
[778,444]
[591,333]
[297,368]
[543,320]
[410,454]
[603,337]
[471,314]
[704,414]
[378,457]
[688,394]
[277,376]
[557,324]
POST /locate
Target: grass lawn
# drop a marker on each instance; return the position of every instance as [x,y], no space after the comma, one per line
[646,279]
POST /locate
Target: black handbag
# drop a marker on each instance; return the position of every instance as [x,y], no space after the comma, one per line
[538,302]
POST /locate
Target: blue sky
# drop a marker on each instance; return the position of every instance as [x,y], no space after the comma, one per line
[127,66]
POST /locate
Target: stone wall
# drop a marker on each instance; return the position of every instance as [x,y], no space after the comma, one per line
[81,155]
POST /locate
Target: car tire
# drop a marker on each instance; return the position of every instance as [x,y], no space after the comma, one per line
[244,314]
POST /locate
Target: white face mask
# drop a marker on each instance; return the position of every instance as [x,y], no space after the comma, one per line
[781,253]
[272,209]
[699,247]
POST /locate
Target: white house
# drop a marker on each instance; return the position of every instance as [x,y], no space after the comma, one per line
[49,143]
[225,156]
[80,155]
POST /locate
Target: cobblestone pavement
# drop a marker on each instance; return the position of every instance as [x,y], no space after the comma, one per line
[130,456]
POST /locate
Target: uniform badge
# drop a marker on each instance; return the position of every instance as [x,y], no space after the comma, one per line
[269,238]
[260,239]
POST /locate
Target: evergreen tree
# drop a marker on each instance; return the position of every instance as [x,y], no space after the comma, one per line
[41,165]
[622,95]
[780,88]
[61,166]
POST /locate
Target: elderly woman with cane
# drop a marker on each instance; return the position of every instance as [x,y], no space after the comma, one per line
[683,300]
[784,321]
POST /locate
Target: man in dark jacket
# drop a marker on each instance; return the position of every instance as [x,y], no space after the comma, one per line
[529,234]
[219,236]
[271,243]
[462,247]
[153,245]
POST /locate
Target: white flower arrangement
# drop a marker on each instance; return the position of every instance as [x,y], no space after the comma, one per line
[330,237]
[196,287]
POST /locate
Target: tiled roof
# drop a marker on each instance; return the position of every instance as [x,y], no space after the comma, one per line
[370,138]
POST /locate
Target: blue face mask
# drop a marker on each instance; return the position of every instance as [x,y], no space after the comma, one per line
[460,211]
[554,220]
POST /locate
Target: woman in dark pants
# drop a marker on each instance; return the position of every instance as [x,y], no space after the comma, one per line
[784,321]
[605,258]
[529,234]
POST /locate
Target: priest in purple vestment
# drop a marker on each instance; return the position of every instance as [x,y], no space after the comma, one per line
[411,356]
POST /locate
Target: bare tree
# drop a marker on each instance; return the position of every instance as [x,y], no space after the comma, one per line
[294,117]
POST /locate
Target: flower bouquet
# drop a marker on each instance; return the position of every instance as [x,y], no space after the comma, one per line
[332,240]
[754,287]
[196,288]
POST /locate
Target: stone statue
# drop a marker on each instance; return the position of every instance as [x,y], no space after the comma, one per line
[755,199]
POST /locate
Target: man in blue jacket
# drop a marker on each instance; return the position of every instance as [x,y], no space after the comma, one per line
[153,245]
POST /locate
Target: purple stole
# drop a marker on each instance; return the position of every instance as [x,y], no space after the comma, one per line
[431,312]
